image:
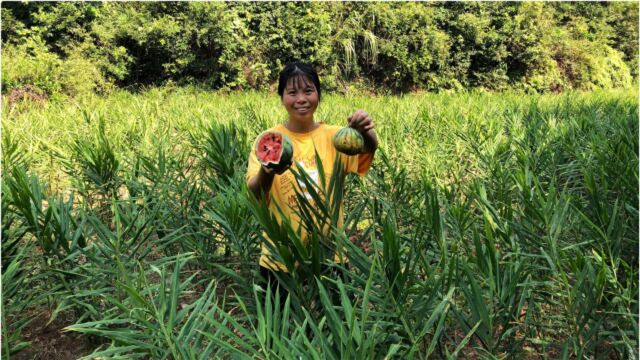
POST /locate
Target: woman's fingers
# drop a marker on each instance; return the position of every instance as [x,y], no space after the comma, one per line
[366,124]
[369,126]
[361,121]
[285,169]
[269,170]
[357,117]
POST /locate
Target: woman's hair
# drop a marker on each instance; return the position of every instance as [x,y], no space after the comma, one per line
[298,70]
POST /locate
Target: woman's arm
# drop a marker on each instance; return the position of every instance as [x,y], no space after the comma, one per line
[261,183]
[370,141]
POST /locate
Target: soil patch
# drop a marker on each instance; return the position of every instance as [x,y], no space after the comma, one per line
[50,341]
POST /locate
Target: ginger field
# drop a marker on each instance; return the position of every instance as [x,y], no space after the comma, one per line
[490,226]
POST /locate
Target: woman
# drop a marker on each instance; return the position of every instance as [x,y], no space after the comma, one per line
[299,90]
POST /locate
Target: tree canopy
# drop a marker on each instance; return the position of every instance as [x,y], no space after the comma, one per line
[70,47]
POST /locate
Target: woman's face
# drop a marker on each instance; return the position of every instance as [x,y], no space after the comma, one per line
[300,98]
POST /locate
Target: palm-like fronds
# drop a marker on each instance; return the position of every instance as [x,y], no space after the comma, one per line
[489,226]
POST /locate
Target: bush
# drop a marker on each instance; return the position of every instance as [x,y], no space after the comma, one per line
[384,47]
[31,64]
[589,65]
[408,49]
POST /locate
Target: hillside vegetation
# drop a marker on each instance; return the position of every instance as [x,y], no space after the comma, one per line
[69,48]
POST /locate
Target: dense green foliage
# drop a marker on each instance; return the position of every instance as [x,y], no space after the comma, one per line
[490,226]
[66,48]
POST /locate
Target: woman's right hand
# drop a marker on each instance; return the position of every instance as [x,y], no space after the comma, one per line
[274,172]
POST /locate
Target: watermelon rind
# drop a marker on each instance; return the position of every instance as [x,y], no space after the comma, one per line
[348,141]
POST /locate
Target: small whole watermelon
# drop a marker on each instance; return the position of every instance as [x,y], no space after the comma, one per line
[348,141]
[274,150]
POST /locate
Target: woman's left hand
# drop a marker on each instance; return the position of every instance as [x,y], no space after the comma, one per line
[361,121]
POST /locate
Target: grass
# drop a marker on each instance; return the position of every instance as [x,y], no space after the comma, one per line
[496,225]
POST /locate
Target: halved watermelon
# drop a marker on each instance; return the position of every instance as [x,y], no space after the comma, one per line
[274,150]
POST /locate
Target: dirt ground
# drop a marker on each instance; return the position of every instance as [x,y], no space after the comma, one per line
[50,342]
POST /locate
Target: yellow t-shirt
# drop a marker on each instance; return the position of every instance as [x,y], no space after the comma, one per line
[282,193]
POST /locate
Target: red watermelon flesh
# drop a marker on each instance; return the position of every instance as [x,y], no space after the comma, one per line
[273,149]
